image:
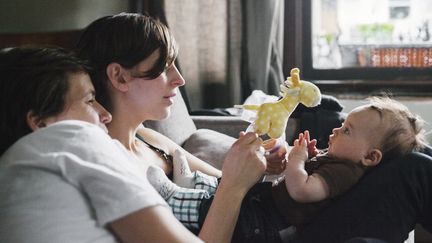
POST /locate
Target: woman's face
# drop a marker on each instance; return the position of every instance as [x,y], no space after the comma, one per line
[80,103]
[151,98]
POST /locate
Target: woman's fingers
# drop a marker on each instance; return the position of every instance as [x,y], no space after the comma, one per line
[269,143]
[245,162]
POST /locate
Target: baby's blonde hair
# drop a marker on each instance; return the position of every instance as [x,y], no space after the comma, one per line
[404,130]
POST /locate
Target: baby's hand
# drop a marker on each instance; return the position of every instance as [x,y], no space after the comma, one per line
[311,145]
[299,151]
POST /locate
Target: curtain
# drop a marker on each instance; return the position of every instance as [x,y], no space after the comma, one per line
[227,48]
[264,41]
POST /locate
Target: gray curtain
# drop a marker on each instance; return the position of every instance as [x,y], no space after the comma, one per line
[227,48]
[264,37]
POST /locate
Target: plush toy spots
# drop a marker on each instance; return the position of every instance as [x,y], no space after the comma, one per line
[272,117]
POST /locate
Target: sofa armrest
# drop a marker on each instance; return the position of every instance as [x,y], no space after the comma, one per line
[231,125]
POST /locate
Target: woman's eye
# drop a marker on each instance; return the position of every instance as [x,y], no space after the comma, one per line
[91,101]
[345,130]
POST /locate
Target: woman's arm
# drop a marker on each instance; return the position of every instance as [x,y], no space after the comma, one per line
[242,168]
[198,164]
[153,224]
[222,216]
[159,140]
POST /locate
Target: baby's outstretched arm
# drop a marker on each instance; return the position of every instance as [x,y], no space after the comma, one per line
[301,186]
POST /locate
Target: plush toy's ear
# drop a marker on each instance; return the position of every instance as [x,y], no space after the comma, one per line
[295,76]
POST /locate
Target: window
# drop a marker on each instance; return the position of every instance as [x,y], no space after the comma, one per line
[366,45]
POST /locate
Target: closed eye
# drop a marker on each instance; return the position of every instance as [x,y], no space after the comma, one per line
[91,101]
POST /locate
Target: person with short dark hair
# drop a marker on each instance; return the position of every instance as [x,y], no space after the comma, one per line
[34,84]
[62,178]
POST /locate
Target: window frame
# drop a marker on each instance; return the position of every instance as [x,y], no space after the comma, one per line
[298,53]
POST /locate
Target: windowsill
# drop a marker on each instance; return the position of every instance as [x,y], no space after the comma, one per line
[359,89]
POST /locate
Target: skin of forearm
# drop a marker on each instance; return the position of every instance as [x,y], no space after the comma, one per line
[296,178]
[222,216]
[134,228]
[206,169]
[197,164]
[303,187]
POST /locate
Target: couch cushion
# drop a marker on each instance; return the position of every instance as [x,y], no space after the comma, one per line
[209,145]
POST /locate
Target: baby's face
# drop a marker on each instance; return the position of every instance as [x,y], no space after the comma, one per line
[360,132]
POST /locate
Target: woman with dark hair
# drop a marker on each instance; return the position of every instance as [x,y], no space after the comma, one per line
[62,178]
[132,57]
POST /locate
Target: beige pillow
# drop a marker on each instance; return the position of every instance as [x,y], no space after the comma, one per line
[209,145]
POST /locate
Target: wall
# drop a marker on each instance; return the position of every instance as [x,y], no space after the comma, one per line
[419,106]
[23,16]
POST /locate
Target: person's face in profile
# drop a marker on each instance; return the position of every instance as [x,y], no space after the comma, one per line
[80,103]
[357,136]
[152,98]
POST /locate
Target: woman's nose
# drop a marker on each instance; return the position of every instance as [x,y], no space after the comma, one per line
[104,116]
[335,130]
[176,78]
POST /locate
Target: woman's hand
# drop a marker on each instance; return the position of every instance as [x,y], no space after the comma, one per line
[244,163]
[275,159]
[243,166]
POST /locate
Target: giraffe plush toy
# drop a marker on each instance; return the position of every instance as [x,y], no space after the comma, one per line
[272,117]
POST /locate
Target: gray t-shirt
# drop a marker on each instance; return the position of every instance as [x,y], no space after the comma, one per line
[66,182]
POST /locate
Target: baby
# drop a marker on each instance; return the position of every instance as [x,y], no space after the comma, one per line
[382,129]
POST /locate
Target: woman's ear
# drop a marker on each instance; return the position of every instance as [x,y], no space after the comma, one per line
[372,158]
[115,73]
[34,122]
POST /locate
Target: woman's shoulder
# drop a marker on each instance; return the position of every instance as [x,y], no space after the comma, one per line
[149,134]
[156,139]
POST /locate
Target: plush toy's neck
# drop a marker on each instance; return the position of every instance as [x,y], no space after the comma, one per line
[290,102]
